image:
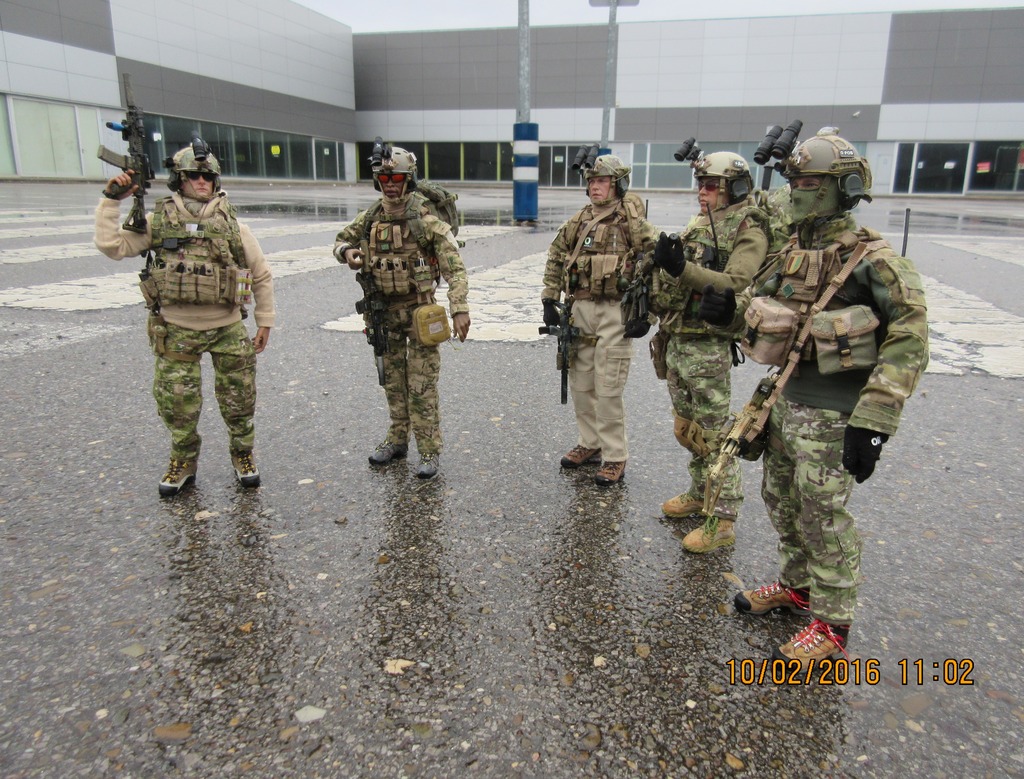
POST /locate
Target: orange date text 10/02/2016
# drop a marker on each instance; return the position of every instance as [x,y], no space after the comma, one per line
[843,671]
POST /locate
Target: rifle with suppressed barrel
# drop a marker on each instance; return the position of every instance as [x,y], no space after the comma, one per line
[133,130]
[372,307]
[565,332]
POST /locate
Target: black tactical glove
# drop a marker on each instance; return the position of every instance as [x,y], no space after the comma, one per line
[637,328]
[668,254]
[717,308]
[861,450]
[551,317]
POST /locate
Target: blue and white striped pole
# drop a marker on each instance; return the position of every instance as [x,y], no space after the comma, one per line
[525,170]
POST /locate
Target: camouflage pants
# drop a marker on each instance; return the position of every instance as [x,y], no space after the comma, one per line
[805,490]
[177,386]
[411,372]
[699,383]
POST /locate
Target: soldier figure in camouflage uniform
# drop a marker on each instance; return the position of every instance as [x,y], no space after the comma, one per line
[724,253]
[592,260]
[207,268]
[397,236]
[868,350]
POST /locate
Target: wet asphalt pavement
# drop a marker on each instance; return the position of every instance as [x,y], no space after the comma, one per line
[507,618]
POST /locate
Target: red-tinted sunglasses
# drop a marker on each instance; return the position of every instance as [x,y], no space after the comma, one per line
[711,185]
[384,178]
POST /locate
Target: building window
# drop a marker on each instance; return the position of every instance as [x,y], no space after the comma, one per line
[941,167]
[998,167]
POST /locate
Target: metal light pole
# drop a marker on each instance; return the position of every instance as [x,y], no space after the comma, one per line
[610,60]
[525,134]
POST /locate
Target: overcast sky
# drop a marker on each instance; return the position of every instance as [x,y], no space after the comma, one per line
[406,15]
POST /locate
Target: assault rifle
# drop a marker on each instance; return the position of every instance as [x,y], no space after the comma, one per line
[741,440]
[133,130]
[565,332]
[372,307]
[636,300]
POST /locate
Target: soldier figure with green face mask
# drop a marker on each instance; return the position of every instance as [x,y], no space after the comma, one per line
[863,357]
[591,262]
[203,268]
[723,245]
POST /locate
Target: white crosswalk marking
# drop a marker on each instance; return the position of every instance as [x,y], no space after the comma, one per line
[33,338]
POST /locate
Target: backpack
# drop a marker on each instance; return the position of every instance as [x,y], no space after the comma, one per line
[440,203]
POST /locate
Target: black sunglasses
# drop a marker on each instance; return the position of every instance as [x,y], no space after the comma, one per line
[195,175]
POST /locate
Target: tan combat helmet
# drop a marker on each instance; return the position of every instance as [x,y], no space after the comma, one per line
[197,157]
[826,154]
[610,165]
[731,169]
[400,161]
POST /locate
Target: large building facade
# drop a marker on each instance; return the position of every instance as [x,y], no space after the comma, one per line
[934,99]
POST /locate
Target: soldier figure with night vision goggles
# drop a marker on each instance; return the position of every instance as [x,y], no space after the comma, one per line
[843,319]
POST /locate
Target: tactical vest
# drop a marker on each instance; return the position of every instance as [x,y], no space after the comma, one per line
[400,256]
[782,304]
[699,246]
[602,262]
[199,261]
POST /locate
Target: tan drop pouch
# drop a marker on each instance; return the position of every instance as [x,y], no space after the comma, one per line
[430,324]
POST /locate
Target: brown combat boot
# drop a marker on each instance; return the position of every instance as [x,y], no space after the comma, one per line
[772,597]
[581,455]
[684,505]
[714,533]
[610,473]
[817,642]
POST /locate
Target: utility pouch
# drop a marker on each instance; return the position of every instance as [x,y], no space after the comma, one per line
[186,281]
[423,276]
[659,353]
[237,285]
[430,324]
[156,330]
[150,290]
[771,331]
[845,339]
[603,276]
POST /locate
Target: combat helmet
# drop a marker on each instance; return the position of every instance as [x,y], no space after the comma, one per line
[399,161]
[731,169]
[196,157]
[610,165]
[826,154]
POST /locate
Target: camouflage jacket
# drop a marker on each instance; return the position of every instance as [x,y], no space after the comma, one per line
[434,237]
[893,289]
[742,244]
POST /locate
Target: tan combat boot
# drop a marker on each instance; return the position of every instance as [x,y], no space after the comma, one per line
[773,597]
[711,535]
[817,642]
[246,472]
[684,505]
[179,474]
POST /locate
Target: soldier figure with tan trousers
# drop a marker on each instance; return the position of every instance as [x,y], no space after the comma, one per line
[591,262]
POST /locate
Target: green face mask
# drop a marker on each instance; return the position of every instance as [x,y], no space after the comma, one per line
[815,203]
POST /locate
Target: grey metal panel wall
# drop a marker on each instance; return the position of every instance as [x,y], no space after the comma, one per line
[175,93]
[478,69]
[956,57]
[738,124]
[82,23]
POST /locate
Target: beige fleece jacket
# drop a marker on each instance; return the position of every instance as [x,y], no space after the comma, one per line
[117,243]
